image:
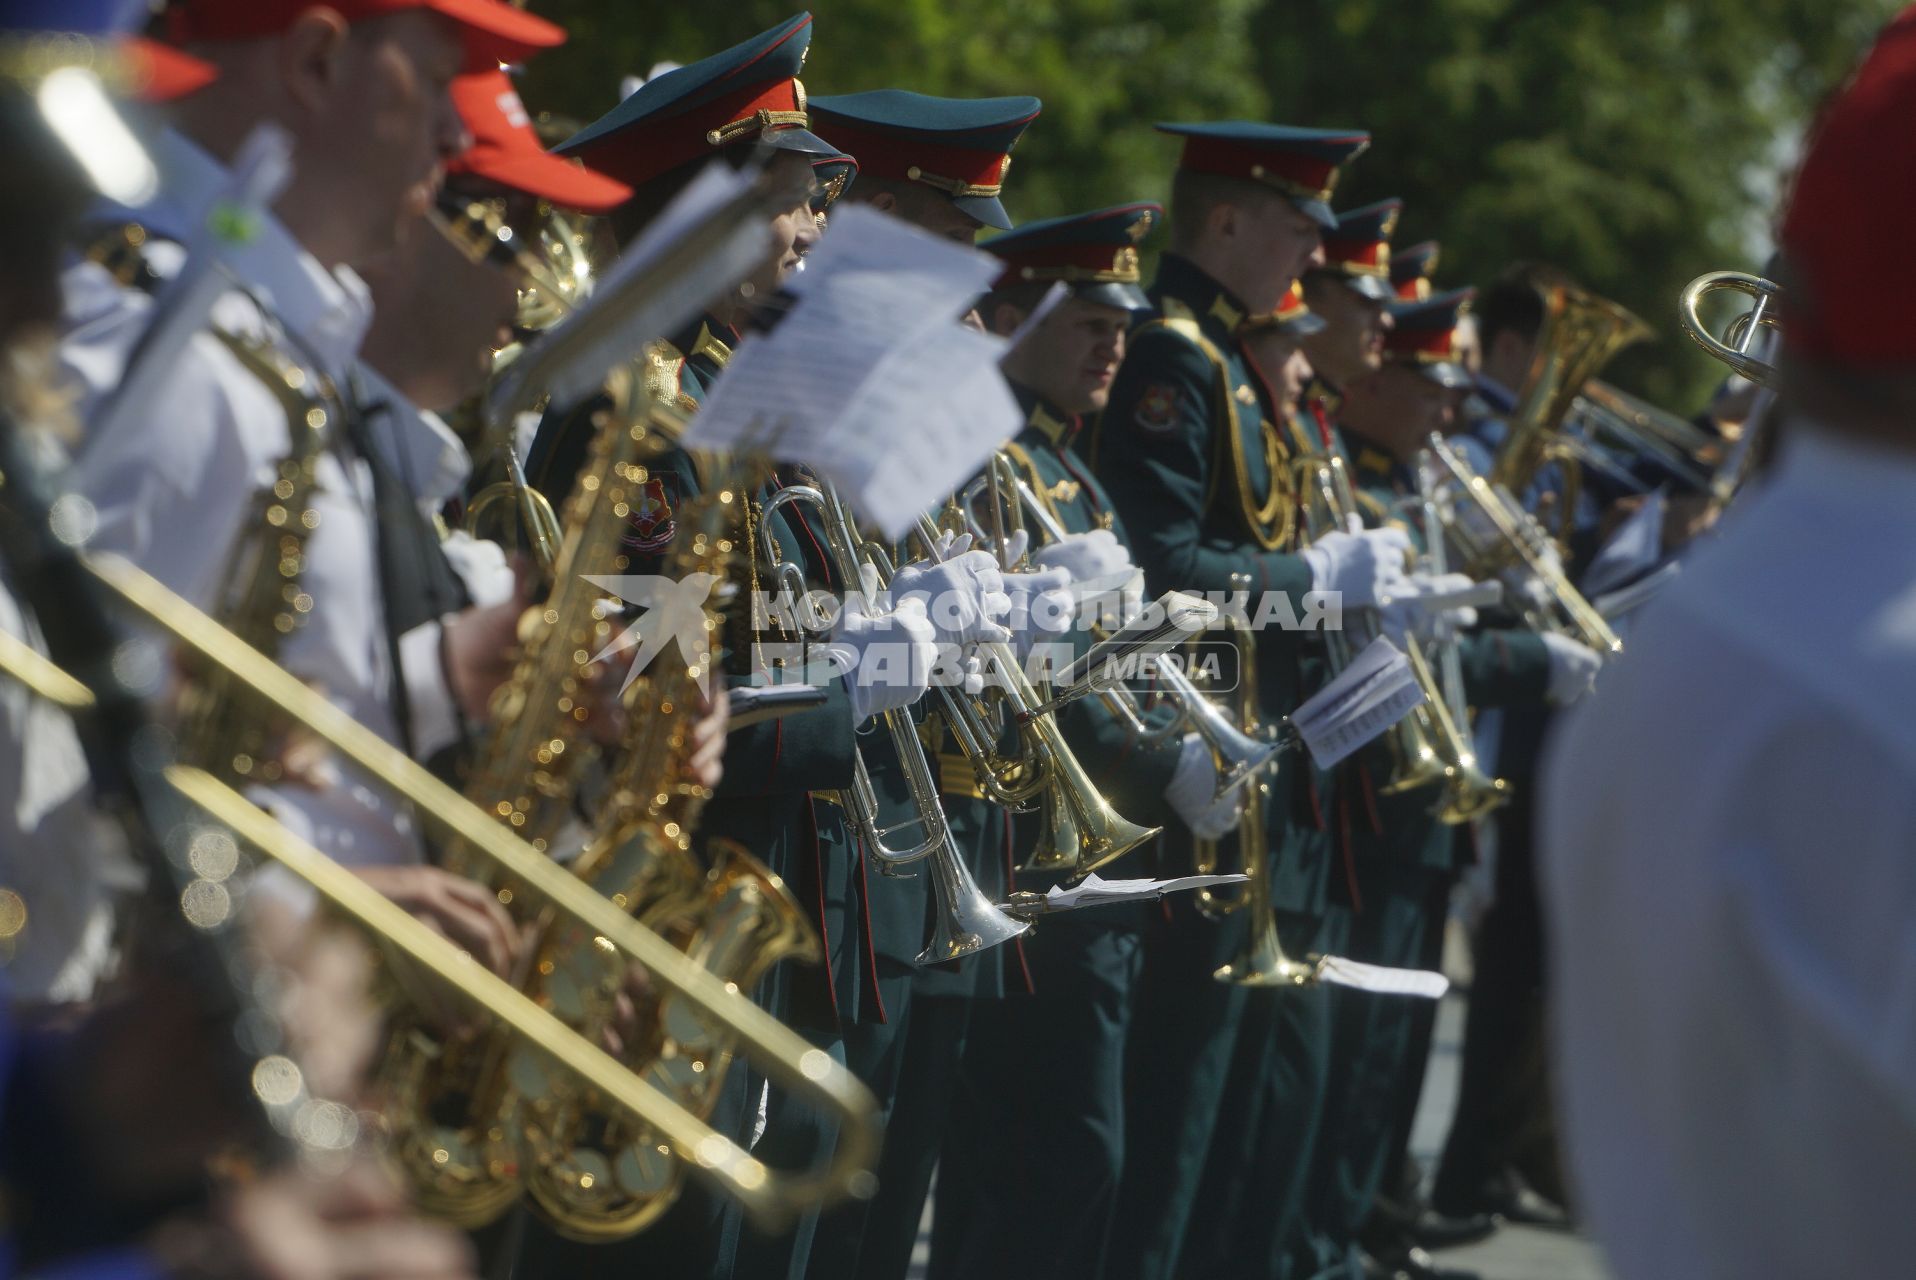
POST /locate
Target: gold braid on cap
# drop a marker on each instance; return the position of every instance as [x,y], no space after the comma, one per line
[957,186]
[763,121]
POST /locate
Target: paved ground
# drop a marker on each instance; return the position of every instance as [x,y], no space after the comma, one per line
[1515,1253]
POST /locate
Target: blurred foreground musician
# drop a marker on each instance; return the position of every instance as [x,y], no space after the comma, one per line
[1727,830]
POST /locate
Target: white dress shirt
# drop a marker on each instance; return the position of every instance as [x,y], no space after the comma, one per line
[1729,839]
[174,494]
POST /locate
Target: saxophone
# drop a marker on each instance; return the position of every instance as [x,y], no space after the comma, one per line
[454,1112]
[594,1174]
[263,602]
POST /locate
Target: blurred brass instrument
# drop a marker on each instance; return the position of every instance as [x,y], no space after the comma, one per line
[1738,348]
[1237,754]
[967,920]
[772,1197]
[1606,419]
[1495,538]
[1581,333]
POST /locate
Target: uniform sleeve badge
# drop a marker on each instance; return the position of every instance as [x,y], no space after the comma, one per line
[651,525]
[1158,408]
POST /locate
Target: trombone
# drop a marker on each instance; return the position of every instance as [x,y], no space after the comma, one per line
[1237,755]
[771,1197]
[967,921]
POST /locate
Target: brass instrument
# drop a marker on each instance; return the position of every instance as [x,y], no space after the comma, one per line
[1581,332]
[1496,538]
[594,1175]
[967,920]
[1236,754]
[1679,445]
[1262,962]
[771,1197]
[1738,347]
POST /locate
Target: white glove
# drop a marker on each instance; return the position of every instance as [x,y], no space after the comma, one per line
[1412,608]
[1042,608]
[964,597]
[1192,792]
[1086,556]
[1573,668]
[886,659]
[1366,565]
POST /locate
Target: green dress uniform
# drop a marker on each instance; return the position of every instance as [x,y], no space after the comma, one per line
[1405,858]
[1031,1161]
[747,97]
[960,148]
[1192,454]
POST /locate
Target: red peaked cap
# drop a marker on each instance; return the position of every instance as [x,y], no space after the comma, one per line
[506,150]
[1852,207]
[494,31]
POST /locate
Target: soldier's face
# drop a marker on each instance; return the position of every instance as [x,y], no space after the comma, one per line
[1072,357]
[437,318]
[1282,361]
[1352,341]
[794,231]
[1277,244]
[1423,405]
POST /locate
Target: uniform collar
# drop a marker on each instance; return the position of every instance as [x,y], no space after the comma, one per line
[706,339]
[1042,417]
[1216,309]
[327,311]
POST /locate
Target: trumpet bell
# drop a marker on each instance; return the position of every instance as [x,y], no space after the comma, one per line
[968,921]
[1062,844]
[1264,964]
[1239,755]
[1108,836]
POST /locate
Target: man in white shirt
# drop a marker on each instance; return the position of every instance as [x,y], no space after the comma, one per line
[1729,828]
[361,87]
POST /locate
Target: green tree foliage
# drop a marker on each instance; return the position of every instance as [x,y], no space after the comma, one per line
[1637,143]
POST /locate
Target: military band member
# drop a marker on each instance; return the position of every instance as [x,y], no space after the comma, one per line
[1405,857]
[1018,1139]
[1411,272]
[939,164]
[1190,451]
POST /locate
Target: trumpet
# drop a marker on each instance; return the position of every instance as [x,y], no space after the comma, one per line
[967,920]
[1495,536]
[1262,962]
[1237,755]
[1086,832]
[1738,348]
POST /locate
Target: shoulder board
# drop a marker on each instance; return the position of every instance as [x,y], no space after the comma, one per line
[663,363]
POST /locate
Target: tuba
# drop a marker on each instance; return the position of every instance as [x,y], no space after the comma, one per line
[1581,333]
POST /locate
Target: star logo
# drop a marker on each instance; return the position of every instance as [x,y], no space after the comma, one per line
[675,612]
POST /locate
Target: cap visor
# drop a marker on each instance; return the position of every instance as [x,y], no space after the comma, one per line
[1375,288]
[498,33]
[1305,325]
[568,185]
[1451,377]
[803,141]
[1317,211]
[987,209]
[162,73]
[1112,293]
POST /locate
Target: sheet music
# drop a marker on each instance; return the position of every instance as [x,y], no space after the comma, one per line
[1633,550]
[1381,980]
[870,379]
[1097,891]
[1376,691]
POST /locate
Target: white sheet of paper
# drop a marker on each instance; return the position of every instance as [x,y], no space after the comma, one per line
[1373,693]
[1380,980]
[1632,551]
[1639,593]
[1096,891]
[870,379]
